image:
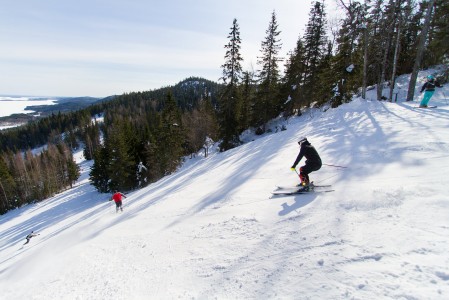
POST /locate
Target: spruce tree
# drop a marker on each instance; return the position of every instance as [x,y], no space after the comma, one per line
[409,37]
[91,140]
[247,88]
[420,50]
[392,13]
[230,97]
[7,188]
[347,62]
[73,171]
[315,42]
[293,80]
[121,168]
[326,77]
[439,34]
[268,103]
[171,136]
[99,173]
[152,156]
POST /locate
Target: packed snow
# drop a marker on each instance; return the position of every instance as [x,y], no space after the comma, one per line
[212,230]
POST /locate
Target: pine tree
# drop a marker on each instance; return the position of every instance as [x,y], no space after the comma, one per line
[409,37]
[403,13]
[420,50]
[200,125]
[365,25]
[247,92]
[349,54]
[73,172]
[439,34]
[91,140]
[269,102]
[293,81]
[230,97]
[7,188]
[392,13]
[99,173]
[315,43]
[152,156]
[121,168]
[22,179]
[326,77]
[171,137]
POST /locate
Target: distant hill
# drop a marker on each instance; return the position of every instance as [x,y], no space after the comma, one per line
[186,92]
[24,131]
[65,105]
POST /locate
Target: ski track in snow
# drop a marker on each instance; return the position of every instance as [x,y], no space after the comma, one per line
[212,230]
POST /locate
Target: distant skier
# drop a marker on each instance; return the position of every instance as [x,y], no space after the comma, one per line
[429,88]
[313,162]
[29,236]
[117,197]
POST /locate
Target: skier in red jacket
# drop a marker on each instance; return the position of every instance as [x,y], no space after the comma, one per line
[117,197]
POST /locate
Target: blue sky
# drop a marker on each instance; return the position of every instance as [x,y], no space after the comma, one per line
[105,47]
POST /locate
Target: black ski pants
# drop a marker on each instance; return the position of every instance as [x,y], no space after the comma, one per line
[308,168]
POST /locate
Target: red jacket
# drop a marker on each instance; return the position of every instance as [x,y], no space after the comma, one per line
[117,197]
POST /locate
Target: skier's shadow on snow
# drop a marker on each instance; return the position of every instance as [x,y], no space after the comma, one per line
[300,201]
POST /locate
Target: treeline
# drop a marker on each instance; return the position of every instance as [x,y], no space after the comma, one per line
[51,129]
[375,42]
[137,120]
[71,126]
[145,135]
[145,141]
[146,138]
[27,177]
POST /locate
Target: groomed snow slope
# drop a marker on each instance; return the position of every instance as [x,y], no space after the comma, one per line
[212,229]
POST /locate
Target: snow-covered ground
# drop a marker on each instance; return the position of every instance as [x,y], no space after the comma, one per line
[212,230]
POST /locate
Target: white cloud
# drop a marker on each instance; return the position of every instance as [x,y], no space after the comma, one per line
[104,40]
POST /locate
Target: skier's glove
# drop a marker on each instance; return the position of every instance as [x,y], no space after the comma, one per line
[293,169]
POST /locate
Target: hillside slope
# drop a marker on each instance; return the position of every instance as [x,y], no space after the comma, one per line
[212,229]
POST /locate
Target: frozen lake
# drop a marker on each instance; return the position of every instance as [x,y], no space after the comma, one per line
[12,105]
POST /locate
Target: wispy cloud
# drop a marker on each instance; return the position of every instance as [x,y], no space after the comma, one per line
[115,46]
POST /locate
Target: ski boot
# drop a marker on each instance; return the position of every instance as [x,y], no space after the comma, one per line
[304,187]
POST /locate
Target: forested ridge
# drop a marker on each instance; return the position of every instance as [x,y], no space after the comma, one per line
[27,176]
[145,135]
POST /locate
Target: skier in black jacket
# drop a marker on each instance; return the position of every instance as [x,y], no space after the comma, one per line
[313,161]
[429,88]
[29,236]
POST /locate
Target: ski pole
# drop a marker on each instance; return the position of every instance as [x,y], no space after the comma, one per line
[335,166]
[298,174]
[444,97]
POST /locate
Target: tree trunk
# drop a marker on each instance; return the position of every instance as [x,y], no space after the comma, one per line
[5,204]
[365,61]
[419,52]
[387,49]
[395,61]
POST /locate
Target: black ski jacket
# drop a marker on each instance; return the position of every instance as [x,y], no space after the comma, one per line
[430,86]
[310,153]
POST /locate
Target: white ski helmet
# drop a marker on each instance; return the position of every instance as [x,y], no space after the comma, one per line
[304,139]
